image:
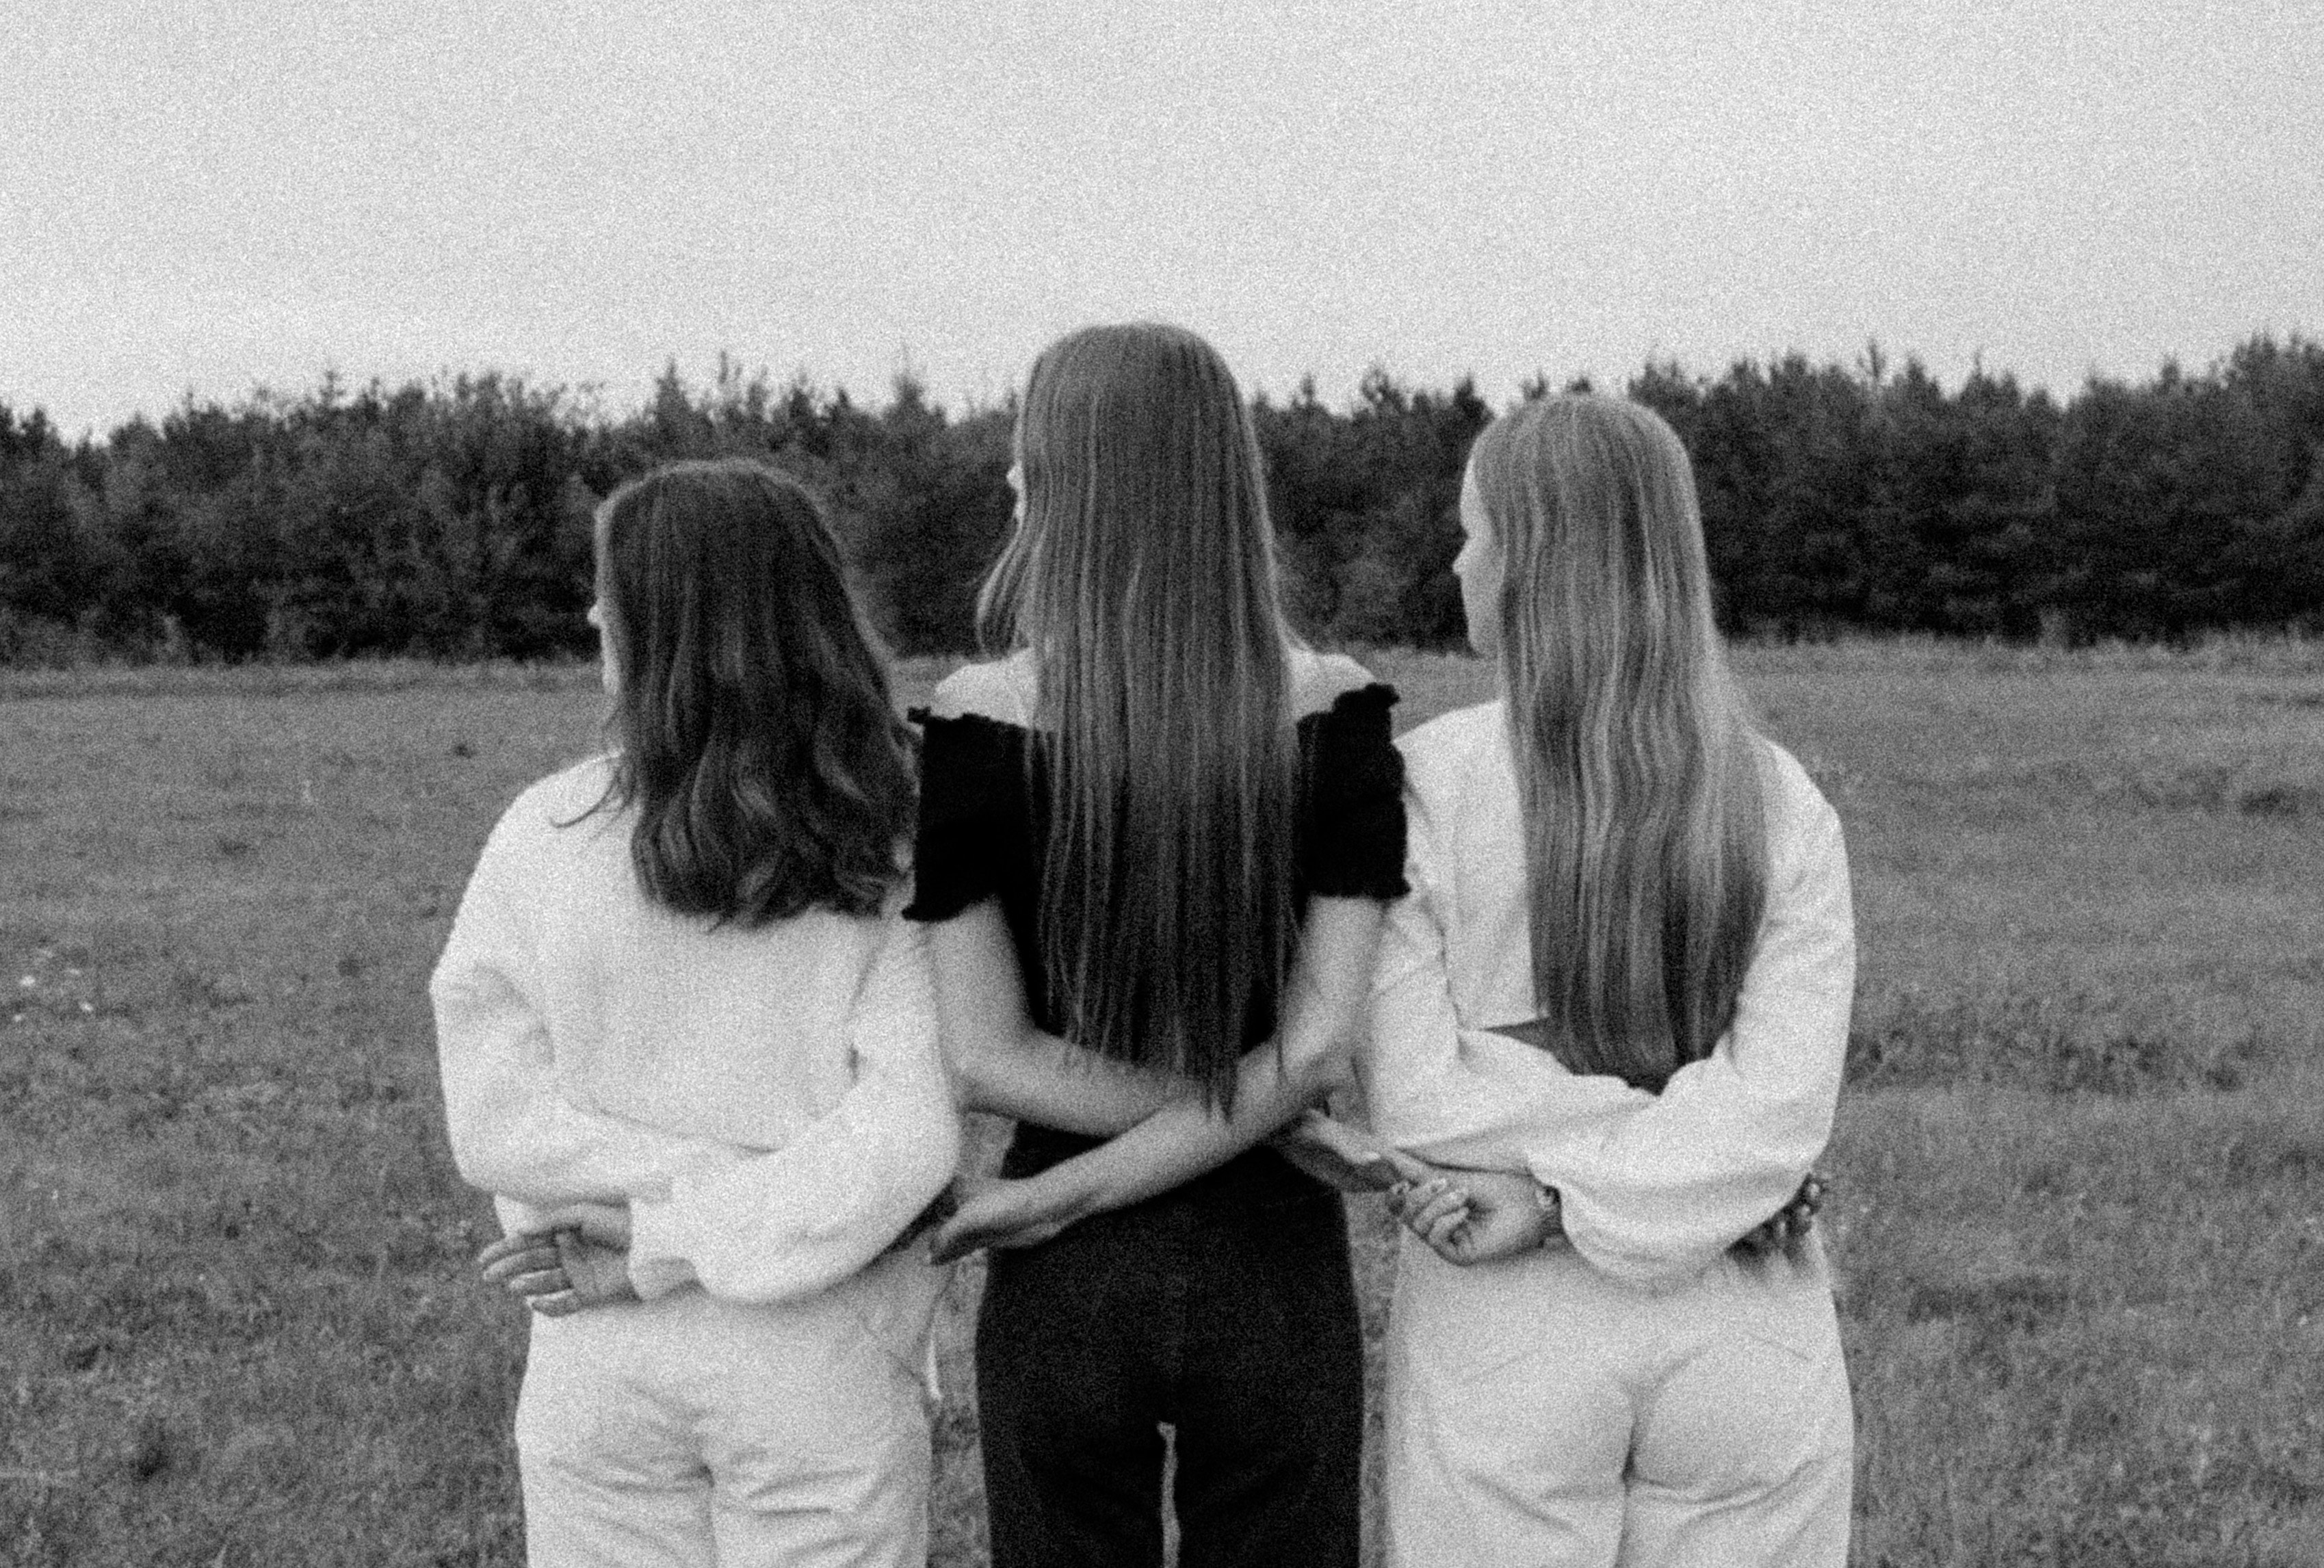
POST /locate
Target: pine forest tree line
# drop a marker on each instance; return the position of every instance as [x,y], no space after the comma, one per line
[451,519]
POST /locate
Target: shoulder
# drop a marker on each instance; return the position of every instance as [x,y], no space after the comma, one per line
[552,802]
[1800,818]
[1336,700]
[973,746]
[547,823]
[1000,689]
[1320,680]
[1443,754]
[1352,834]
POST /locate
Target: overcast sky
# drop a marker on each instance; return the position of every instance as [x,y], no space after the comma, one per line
[218,195]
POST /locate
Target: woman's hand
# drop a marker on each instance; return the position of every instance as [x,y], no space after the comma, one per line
[940,1208]
[567,1260]
[997,1212]
[1339,1156]
[1788,1226]
[1475,1216]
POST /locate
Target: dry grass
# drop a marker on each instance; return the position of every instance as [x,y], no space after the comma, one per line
[2078,1172]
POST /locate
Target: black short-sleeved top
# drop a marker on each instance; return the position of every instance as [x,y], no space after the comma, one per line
[984,826]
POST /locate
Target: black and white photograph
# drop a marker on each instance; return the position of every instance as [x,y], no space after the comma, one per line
[1190,785]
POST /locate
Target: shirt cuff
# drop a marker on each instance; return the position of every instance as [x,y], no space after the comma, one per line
[658,1251]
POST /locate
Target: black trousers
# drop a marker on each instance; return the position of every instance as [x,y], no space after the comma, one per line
[1224,1308]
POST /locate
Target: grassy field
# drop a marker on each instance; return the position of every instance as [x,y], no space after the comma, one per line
[2078,1170]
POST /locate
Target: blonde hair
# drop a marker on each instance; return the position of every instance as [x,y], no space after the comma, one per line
[1638,767]
[1142,577]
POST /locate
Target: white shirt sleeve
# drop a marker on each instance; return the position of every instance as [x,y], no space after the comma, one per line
[513,1132]
[1451,1096]
[782,1225]
[1662,1190]
[1655,1187]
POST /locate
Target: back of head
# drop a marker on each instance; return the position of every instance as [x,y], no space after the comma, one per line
[1144,515]
[755,735]
[1645,851]
[1142,576]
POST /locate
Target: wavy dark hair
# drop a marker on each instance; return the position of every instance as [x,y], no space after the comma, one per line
[752,731]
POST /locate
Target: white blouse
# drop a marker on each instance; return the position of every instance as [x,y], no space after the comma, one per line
[1655,1186]
[771,1102]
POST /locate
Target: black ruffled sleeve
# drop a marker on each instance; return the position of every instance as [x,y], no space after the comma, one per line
[1352,843]
[971,781]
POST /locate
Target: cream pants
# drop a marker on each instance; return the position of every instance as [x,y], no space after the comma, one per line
[1539,1413]
[687,1431]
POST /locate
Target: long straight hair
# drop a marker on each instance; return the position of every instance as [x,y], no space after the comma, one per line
[751,717]
[1638,767]
[1142,578]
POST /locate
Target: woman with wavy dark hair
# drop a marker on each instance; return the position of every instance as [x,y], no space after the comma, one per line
[689,1049]
[1155,839]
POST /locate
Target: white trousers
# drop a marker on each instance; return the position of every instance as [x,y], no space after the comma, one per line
[687,1431]
[1540,1414]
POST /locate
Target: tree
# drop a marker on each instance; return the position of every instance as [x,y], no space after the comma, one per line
[935,506]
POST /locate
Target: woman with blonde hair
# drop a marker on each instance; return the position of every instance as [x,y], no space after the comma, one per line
[1155,843]
[1622,978]
[689,1049]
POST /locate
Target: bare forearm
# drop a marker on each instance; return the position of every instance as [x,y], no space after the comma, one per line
[1186,1139]
[1001,1062]
[1320,1021]
[1050,1082]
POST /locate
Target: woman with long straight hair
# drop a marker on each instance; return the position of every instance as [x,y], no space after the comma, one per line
[1155,839]
[1623,978]
[689,1048]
